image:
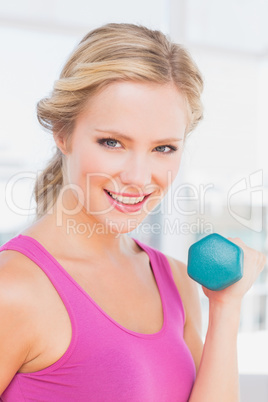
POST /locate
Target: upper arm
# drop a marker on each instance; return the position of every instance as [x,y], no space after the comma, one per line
[14,321]
[193,318]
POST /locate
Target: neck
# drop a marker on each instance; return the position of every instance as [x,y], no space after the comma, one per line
[83,235]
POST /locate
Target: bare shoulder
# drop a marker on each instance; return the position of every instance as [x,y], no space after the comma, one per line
[19,288]
[16,314]
[17,276]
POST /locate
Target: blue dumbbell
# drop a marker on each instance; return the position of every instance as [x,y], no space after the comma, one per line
[215,262]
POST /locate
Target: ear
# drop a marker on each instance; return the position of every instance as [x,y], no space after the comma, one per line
[61,142]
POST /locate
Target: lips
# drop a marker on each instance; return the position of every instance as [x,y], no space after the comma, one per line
[125,202]
[126,199]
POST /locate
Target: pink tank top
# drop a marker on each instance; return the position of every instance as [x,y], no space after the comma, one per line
[105,361]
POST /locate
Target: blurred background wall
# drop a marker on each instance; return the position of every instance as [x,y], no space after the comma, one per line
[223,180]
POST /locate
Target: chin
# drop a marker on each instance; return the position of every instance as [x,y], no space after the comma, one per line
[123,226]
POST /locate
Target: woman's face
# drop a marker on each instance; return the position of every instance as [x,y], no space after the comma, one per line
[125,151]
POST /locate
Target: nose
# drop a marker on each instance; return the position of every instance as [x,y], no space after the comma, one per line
[136,172]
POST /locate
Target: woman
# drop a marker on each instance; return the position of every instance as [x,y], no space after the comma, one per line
[87,312]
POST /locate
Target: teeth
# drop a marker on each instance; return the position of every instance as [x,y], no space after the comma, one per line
[126,200]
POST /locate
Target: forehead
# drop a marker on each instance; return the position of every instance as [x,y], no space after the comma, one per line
[134,108]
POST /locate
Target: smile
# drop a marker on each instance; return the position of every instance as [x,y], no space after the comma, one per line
[126,203]
[130,200]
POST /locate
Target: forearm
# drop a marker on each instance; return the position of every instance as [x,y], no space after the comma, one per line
[217,378]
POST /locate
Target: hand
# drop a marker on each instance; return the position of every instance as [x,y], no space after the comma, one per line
[254,262]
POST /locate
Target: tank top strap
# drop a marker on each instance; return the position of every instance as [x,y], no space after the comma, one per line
[64,284]
[164,277]
[32,249]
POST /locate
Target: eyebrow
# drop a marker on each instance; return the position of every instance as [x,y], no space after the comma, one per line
[125,137]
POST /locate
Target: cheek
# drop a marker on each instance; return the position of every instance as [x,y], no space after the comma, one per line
[175,165]
[84,163]
[166,173]
[91,171]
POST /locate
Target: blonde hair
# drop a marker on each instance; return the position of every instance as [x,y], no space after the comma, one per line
[113,52]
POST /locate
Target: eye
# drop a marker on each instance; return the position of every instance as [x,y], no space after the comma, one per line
[166,149]
[109,142]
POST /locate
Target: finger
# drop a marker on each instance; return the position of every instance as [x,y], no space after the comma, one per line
[263,261]
[236,240]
